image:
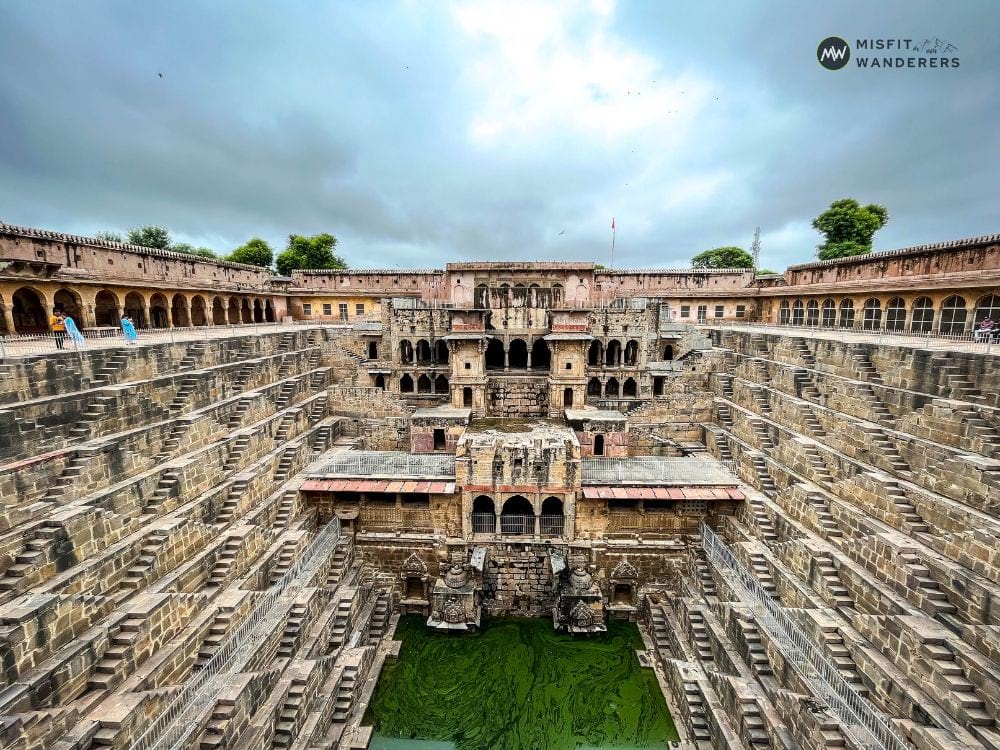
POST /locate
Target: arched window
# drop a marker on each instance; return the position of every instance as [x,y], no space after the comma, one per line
[953,315]
[871,319]
[405,352]
[494,355]
[69,302]
[557,295]
[106,308]
[234,311]
[440,384]
[423,352]
[847,313]
[895,314]
[598,445]
[595,354]
[541,358]
[812,313]
[482,300]
[406,384]
[988,307]
[423,384]
[517,354]
[245,314]
[668,352]
[829,313]
[199,315]
[380,381]
[784,313]
[28,311]
[517,517]
[551,521]
[614,353]
[631,353]
[179,311]
[218,311]
[135,309]
[269,311]
[922,315]
[158,311]
[484,518]
[629,389]
[797,313]
[258,311]
[611,388]
[441,351]
[594,387]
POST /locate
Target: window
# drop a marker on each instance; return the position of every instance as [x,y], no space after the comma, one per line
[923,315]
[783,313]
[685,311]
[741,311]
[468,365]
[871,316]
[812,313]
[569,365]
[719,311]
[847,313]
[328,309]
[895,314]
[953,315]
[307,309]
[829,312]
[702,313]
[798,312]
[343,310]
[359,308]
[439,439]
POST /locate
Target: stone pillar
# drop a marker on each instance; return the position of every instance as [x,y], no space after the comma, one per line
[147,321]
[497,524]
[120,312]
[87,313]
[8,316]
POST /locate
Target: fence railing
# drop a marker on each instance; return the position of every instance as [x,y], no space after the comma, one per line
[183,715]
[387,464]
[859,717]
[652,469]
[395,519]
[973,340]
[33,344]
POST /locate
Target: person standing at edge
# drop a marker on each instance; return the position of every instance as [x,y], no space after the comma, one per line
[58,324]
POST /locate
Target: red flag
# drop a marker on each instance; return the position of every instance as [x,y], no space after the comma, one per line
[612,222]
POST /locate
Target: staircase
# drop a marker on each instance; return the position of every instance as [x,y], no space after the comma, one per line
[906,510]
[759,427]
[246,372]
[918,576]
[696,712]
[704,572]
[318,409]
[840,655]
[191,359]
[238,450]
[951,676]
[286,508]
[293,630]
[285,395]
[35,553]
[821,507]
[953,382]
[802,349]
[224,563]
[232,503]
[345,694]
[341,618]
[659,630]
[216,634]
[760,398]
[826,569]
[96,408]
[762,572]
[106,672]
[70,473]
[876,406]
[820,471]
[173,440]
[805,387]
[169,482]
[764,480]
[109,371]
[286,424]
[380,618]
[756,652]
[863,364]
[286,557]
[884,447]
[137,573]
[183,394]
[286,728]
[725,416]
[285,464]
[239,413]
[286,342]
[699,636]
[763,521]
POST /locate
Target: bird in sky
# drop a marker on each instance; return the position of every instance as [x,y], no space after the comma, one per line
[160,75]
[563,232]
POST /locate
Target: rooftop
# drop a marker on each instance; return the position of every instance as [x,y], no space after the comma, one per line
[657,470]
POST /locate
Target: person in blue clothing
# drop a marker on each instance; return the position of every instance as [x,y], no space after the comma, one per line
[128,328]
[74,332]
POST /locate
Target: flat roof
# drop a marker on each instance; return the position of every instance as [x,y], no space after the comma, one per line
[388,464]
[595,415]
[438,412]
[656,470]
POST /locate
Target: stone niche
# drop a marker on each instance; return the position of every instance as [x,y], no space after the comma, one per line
[456,599]
[600,432]
[579,606]
[437,430]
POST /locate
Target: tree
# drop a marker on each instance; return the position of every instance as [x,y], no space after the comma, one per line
[188,249]
[155,237]
[766,271]
[255,252]
[849,228]
[723,257]
[309,252]
[110,236]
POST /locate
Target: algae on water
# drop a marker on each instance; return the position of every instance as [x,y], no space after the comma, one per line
[519,685]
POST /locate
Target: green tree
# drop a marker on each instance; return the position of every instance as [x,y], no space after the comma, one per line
[255,252]
[309,252]
[849,228]
[189,249]
[723,257]
[110,236]
[156,237]
[762,271]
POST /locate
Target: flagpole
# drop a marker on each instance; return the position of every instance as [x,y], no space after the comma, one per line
[613,230]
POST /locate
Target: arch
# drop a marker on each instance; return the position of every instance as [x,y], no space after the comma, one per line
[441,384]
[158,311]
[135,308]
[467,397]
[245,313]
[613,354]
[218,312]
[483,504]
[441,351]
[541,357]
[847,313]
[199,316]
[798,313]
[871,314]
[812,313]
[783,313]
[380,381]
[269,315]
[611,387]
[987,306]
[922,315]
[668,352]
[595,354]
[423,384]
[517,354]
[551,520]
[405,352]
[598,445]
[258,311]
[494,355]
[70,303]
[482,297]
[179,311]
[106,308]
[517,516]
[372,350]
[567,398]
[632,353]
[423,352]
[895,314]
[829,313]
[484,515]
[594,387]
[28,311]
[406,384]
[953,315]
[629,388]
[234,310]
[557,295]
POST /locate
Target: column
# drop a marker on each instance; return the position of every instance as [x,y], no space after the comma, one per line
[89,319]
[147,320]
[120,312]
[8,316]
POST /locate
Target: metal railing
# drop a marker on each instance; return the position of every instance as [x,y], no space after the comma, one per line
[49,343]
[653,469]
[517,525]
[484,523]
[183,716]
[973,341]
[859,717]
[551,525]
[389,464]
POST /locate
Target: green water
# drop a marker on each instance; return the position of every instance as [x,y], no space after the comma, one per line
[517,685]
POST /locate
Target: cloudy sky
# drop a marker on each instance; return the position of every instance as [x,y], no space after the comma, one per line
[426,132]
